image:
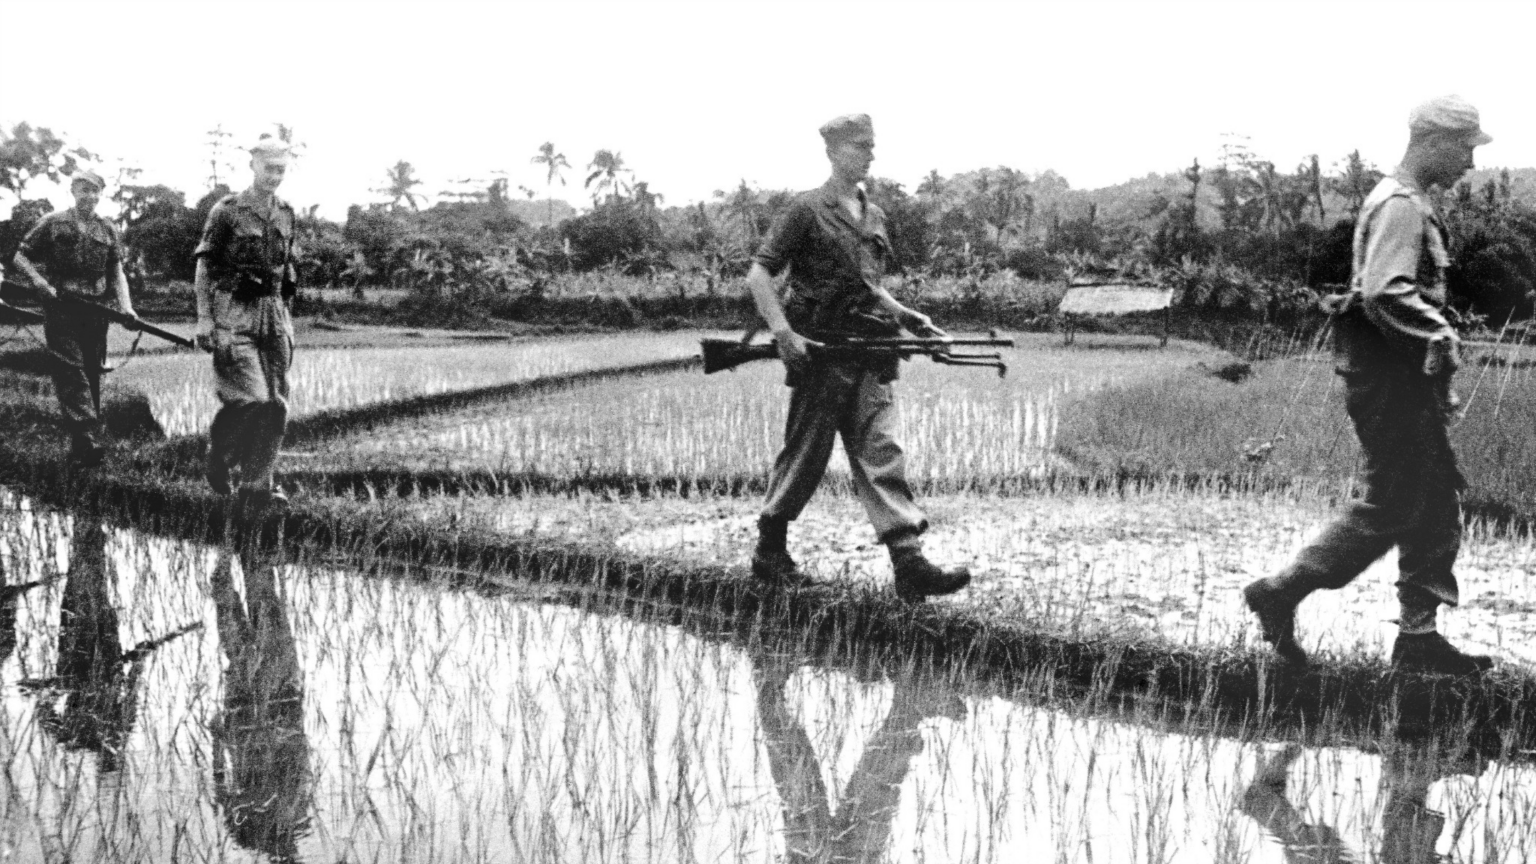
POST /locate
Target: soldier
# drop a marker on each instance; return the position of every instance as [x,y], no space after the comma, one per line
[74,252]
[1396,353]
[245,283]
[834,243]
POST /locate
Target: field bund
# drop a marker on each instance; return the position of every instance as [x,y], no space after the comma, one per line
[1115,591]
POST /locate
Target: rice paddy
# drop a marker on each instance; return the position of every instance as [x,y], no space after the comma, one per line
[166,700]
[309,712]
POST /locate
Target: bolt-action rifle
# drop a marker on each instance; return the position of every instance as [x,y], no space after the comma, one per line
[728,354]
[90,307]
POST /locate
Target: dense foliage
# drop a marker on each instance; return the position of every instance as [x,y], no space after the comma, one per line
[1242,238]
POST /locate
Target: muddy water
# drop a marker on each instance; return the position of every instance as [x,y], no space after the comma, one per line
[166,701]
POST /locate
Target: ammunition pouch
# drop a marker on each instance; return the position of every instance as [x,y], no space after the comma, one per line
[249,289]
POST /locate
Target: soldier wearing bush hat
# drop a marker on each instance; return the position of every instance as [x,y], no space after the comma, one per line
[1397,354]
[833,242]
[77,253]
[245,283]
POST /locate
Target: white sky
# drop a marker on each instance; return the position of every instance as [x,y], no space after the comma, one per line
[698,95]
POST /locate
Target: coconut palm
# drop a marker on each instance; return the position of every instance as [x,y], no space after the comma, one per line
[553,163]
[608,168]
[401,179]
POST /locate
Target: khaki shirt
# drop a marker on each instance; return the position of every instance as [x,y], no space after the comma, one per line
[834,261]
[78,254]
[1400,259]
[247,243]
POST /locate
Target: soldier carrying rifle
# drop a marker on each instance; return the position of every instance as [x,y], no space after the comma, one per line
[245,282]
[75,254]
[834,243]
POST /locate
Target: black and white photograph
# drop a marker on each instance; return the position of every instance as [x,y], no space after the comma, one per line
[834,432]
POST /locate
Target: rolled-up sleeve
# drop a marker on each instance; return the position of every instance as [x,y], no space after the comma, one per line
[1389,279]
[784,238]
[216,233]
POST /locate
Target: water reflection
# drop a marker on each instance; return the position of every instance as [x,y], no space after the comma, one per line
[10,595]
[98,679]
[262,777]
[859,827]
[1410,830]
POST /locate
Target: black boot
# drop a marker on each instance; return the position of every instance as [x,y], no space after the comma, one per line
[770,560]
[1275,607]
[917,578]
[1430,653]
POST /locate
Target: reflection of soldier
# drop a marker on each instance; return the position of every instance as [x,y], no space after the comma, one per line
[860,828]
[833,242]
[1409,831]
[1397,354]
[245,281]
[76,252]
[261,757]
[101,696]
[10,595]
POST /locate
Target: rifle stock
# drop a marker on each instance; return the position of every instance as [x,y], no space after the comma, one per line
[721,354]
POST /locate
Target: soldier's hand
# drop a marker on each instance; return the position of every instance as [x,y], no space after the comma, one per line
[205,338]
[48,292]
[920,324]
[794,349]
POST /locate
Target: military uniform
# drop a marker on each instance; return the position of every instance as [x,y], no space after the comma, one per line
[834,261]
[248,248]
[1384,327]
[80,256]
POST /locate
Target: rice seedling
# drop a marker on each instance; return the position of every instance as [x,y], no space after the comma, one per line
[324,714]
[180,386]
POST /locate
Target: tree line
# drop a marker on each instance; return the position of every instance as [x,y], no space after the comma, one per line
[1240,235]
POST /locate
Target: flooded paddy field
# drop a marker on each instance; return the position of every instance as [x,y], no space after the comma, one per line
[176,698]
[161,700]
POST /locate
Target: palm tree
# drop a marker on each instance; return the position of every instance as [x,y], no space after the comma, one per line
[607,166]
[401,180]
[647,200]
[742,206]
[554,163]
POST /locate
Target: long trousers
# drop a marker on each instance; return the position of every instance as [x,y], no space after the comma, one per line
[827,402]
[1412,495]
[79,348]
[251,374]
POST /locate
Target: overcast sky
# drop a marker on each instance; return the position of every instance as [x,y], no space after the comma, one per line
[699,95]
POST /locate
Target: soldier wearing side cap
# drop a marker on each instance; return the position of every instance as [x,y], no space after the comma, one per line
[833,242]
[1397,354]
[245,283]
[77,253]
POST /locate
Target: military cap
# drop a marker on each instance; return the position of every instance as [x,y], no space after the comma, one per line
[1448,114]
[84,175]
[270,145]
[846,127]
